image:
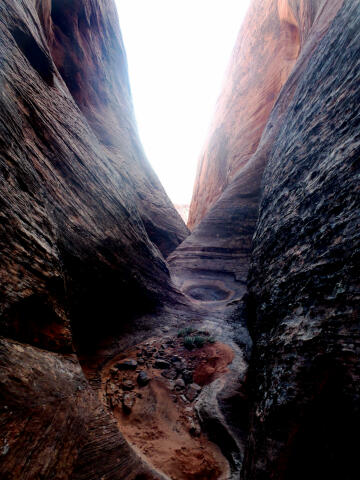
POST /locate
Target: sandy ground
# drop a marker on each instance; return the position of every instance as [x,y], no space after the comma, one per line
[162,424]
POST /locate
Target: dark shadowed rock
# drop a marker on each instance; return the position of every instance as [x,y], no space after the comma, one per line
[127,365]
[170,373]
[127,385]
[187,376]
[179,384]
[304,278]
[128,402]
[162,364]
[84,227]
[143,379]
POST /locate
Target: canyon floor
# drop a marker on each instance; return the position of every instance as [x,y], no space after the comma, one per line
[162,389]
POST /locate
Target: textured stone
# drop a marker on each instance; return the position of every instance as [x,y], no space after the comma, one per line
[270,40]
[84,227]
[128,402]
[127,365]
[276,39]
[78,197]
[169,373]
[226,205]
[192,391]
[52,423]
[187,376]
[304,278]
[179,384]
[143,379]
[127,385]
[162,364]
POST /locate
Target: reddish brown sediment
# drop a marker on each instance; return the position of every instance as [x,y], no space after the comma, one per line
[162,423]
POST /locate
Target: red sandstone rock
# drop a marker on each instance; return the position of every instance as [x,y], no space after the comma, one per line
[270,40]
[84,228]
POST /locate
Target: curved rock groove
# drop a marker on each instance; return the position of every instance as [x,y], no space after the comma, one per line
[207,293]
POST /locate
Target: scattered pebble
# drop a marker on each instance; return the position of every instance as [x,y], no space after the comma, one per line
[171,374]
[143,378]
[187,376]
[160,363]
[194,429]
[127,385]
[128,402]
[127,365]
[179,384]
[192,391]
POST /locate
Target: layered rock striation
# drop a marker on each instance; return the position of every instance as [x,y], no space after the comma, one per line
[273,34]
[79,199]
[219,247]
[302,310]
[304,281]
[85,225]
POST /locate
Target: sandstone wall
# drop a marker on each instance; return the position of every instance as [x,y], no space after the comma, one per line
[269,42]
[79,201]
[220,244]
[302,311]
[304,278]
[84,228]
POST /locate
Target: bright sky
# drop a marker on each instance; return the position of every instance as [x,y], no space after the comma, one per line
[178,51]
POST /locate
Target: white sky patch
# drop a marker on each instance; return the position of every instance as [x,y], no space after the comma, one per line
[178,52]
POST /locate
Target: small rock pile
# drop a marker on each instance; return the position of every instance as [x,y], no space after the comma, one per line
[160,356]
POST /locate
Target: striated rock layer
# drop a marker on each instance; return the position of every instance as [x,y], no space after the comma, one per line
[304,278]
[273,34]
[308,135]
[79,201]
[219,247]
[84,228]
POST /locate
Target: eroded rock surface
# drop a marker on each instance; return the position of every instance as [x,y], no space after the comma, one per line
[84,228]
[73,202]
[304,278]
[266,50]
[218,252]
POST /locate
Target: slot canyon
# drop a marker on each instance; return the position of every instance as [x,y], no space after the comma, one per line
[134,347]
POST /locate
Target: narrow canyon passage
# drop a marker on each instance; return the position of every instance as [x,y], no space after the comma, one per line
[163,391]
[132,348]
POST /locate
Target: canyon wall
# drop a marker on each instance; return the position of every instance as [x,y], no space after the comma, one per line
[304,278]
[220,244]
[79,199]
[273,34]
[85,225]
[297,118]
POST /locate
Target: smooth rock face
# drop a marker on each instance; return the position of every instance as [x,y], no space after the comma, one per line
[97,78]
[85,227]
[266,50]
[218,252]
[273,34]
[78,198]
[304,278]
